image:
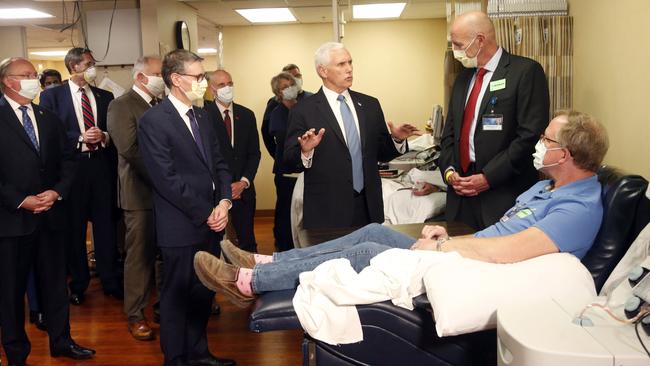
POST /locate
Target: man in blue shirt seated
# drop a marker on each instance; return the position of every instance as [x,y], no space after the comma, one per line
[562,214]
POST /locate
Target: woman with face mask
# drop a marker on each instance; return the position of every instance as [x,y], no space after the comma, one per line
[286,90]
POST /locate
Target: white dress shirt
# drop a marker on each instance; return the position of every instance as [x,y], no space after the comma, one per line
[335,105]
[231,112]
[489,67]
[76,102]
[30,112]
[147,98]
[182,111]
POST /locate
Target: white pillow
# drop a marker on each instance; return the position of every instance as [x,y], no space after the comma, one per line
[465,294]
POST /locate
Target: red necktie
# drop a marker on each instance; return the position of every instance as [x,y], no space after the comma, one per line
[89,119]
[228,123]
[468,117]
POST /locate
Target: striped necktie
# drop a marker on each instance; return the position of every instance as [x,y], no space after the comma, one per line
[89,118]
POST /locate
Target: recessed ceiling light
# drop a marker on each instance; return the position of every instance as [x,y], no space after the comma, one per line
[23,13]
[377,11]
[267,15]
[50,53]
[207,51]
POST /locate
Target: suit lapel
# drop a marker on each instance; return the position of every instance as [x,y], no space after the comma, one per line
[181,127]
[500,73]
[325,111]
[361,116]
[67,101]
[460,100]
[14,123]
[204,124]
[221,125]
[42,129]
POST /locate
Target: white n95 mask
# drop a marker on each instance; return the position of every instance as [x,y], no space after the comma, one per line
[540,154]
[226,94]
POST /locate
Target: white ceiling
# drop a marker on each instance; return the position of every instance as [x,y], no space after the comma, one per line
[222,12]
[45,33]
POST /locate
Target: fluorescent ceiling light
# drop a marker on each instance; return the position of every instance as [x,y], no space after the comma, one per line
[267,15]
[60,53]
[377,11]
[23,13]
[207,51]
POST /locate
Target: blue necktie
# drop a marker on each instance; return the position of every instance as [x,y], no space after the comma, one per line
[354,144]
[29,127]
[197,133]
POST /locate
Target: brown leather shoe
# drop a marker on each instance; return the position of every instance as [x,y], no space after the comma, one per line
[236,256]
[140,330]
[217,275]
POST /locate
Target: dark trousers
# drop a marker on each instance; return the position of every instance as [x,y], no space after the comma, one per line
[91,199]
[282,220]
[184,305]
[44,250]
[242,215]
[469,208]
[139,265]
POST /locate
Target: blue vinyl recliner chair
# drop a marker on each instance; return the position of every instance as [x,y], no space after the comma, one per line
[394,336]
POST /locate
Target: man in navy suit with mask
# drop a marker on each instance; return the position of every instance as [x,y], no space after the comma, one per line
[192,196]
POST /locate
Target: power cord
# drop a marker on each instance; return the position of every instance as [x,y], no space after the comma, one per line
[636,330]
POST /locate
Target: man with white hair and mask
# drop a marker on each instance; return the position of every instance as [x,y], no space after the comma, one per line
[134,191]
[336,137]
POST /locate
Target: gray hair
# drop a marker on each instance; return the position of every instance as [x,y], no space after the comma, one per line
[175,61]
[75,56]
[275,81]
[4,69]
[323,53]
[141,63]
[290,67]
[585,137]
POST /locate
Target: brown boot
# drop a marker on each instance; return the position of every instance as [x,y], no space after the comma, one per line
[236,256]
[140,330]
[218,275]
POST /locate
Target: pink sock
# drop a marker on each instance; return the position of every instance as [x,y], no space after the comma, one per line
[244,279]
[261,258]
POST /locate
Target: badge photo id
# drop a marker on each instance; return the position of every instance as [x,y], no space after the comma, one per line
[492,122]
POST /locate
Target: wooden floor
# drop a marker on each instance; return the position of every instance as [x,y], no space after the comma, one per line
[100,324]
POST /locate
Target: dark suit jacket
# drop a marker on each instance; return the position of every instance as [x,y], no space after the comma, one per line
[186,187]
[134,190]
[25,171]
[505,157]
[243,159]
[328,195]
[59,101]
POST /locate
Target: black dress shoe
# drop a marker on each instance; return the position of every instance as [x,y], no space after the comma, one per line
[77,299]
[211,360]
[74,351]
[38,319]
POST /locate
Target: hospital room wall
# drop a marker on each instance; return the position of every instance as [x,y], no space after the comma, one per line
[398,62]
[612,75]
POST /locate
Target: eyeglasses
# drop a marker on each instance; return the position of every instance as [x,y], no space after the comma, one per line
[545,140]
[199,78]
[25,76]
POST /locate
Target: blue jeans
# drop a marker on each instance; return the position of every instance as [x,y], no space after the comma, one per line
[358,247]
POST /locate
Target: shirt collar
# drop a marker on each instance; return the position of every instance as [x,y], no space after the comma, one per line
[180,106]
[15,105]
[222,108]
[147,98]
[565,190]
[75,88]
[494,61]
[332,96]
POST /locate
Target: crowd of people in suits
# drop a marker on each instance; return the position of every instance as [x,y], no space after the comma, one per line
[178,176]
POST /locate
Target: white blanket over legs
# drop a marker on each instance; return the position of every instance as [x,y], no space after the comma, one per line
[325,298]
